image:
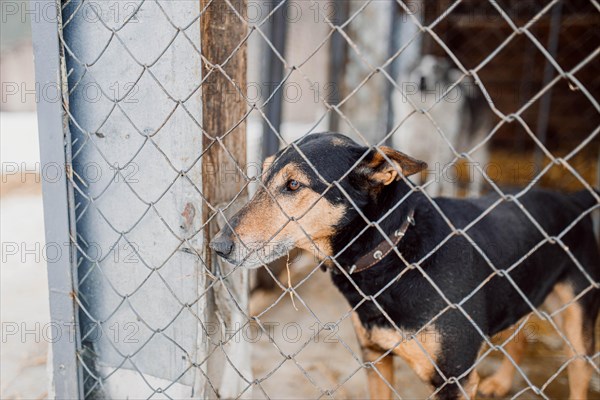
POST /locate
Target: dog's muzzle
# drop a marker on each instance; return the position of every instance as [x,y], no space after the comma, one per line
[222,245]
[250,255]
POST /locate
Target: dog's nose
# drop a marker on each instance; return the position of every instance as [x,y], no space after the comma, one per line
[222,245]
[422,84]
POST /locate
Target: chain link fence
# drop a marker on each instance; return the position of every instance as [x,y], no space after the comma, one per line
[168,115]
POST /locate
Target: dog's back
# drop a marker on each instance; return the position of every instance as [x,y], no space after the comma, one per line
[544,239]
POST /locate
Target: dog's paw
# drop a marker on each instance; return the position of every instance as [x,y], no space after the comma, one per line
[494,386]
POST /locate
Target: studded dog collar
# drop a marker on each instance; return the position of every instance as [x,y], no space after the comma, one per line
[384,248]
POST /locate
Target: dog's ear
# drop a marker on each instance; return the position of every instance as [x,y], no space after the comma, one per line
[377,169]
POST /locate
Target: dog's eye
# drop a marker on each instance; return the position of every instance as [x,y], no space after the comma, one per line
[292,185]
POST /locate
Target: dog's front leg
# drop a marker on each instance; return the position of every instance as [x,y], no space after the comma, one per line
[379,365]
[380,373]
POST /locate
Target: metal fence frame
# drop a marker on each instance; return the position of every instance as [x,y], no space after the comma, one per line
[58,199]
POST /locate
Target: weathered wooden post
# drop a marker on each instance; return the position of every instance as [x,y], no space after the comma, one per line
[223,162]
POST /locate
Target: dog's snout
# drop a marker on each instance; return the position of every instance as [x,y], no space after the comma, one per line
[422,84]
[222,245]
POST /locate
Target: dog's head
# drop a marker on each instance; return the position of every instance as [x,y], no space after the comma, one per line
[433,72]
[298,204]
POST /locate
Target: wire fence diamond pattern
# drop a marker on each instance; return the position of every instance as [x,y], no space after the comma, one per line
[136,132]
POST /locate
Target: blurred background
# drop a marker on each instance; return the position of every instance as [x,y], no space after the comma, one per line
[23,277]
[340,69]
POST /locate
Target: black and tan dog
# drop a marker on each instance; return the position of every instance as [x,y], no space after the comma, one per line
[438,281]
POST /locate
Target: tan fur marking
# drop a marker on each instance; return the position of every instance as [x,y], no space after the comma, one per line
[500,383]
[359,329]
[264,220]
[381,376]
[470,387]
[267,164]
[403,163]
[409,350]
[580,371]
[249,227]
[386,176]
[551,304]
[378,388]
[289,171]
[571,322]
[339,142]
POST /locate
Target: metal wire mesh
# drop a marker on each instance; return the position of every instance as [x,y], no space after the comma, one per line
[135,186]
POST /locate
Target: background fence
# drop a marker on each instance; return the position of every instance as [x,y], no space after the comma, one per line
[167,111]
